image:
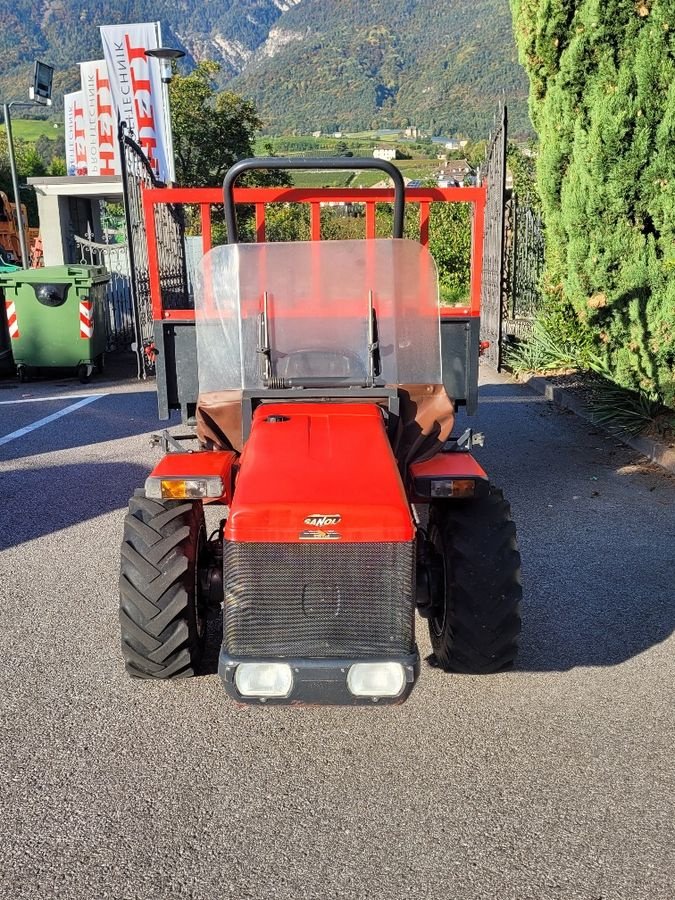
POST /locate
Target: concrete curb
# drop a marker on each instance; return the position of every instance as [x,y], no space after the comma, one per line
[653,450]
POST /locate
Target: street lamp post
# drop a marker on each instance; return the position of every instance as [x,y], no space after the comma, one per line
[6,111]
[166,55]
[40,93]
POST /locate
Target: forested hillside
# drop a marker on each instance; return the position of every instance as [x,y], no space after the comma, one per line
[308,64]
[354,65]
[65,32]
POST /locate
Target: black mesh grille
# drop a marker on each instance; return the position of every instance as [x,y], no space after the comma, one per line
[318,600]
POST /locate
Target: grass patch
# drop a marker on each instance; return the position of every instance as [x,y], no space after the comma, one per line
[321,179]
[410,168]
[367,179]
[31,129]
[371,136]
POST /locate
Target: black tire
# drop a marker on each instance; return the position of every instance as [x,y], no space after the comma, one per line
[162,609]
[475,626]
[22,374]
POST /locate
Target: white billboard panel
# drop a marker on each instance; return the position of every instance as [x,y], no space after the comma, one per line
[101,121]
[138,94]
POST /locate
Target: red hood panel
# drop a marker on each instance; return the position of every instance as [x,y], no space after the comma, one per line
[326,473]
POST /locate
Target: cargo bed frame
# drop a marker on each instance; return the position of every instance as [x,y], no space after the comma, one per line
[175,351]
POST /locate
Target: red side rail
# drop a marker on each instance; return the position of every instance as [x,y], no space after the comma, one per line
[205,198]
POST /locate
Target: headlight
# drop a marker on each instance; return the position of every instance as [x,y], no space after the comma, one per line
[157,488]
[265,679]
[376,679]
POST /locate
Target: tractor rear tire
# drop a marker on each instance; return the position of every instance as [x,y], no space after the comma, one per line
[476,625]
[162,607]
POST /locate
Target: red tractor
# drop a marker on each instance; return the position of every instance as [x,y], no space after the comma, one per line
[325,434]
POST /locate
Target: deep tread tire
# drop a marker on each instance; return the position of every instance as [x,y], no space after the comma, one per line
[162,616]
[477,630]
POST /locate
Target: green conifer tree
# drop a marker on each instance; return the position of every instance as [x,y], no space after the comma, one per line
[602,99]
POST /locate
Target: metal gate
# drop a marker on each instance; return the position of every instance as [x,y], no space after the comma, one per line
[119,319]
[524,265]
[492,295]
[136,175]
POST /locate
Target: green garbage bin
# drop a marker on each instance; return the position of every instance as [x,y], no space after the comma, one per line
[56,318]
[6,359]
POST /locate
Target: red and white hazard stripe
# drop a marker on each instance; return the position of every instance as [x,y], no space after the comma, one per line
[86,319]
[12,321]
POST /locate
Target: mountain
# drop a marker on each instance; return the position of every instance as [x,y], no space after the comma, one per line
[350,65]
[308,64]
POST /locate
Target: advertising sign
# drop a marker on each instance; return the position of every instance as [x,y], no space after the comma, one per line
[101,121]
[75,133]
[138,94]
[69,101]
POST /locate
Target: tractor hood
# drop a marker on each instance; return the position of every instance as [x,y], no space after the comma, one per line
[313,472]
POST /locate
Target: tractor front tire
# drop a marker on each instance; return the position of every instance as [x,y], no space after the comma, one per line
[162,610]
[475,625]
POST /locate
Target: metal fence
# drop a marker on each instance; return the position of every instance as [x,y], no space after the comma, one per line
[492,308]
[513,256]
[524,236]
[120,333]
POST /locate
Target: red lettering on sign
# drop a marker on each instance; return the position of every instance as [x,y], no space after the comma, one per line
[106,163]
[80,139]
[134,52]
[145,119]
[101,82]
[103,109]
[149,144]
[105,131]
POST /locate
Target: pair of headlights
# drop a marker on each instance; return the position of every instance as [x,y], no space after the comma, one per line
[275,679]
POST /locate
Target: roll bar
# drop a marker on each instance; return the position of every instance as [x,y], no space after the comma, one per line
[356,164]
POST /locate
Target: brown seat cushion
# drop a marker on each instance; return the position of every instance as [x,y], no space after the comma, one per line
[427,416]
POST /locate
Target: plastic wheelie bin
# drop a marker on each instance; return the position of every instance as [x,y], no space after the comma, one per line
[6,359]
[56,318]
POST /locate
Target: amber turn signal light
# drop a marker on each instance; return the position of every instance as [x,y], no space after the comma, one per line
[453,487]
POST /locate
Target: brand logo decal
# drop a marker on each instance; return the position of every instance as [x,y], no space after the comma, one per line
[318,534]
[323,520]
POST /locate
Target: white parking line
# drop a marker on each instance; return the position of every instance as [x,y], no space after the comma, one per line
[47,399]
[47,419]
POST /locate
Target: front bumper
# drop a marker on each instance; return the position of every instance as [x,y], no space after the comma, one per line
[319,681]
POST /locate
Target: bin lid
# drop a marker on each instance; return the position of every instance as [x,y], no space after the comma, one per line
[56,275]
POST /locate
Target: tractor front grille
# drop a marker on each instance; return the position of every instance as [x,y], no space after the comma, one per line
[318,600]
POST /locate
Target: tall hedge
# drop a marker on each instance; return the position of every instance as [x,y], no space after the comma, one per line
[602,99]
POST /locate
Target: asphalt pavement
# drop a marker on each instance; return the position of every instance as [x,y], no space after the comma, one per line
[551,782]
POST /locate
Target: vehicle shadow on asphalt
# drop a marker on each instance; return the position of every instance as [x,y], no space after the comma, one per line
[38,502]
[111,418]
[597,544]
[601,621]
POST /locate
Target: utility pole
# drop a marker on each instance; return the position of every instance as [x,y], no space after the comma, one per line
[6,111]
[40,93]
[166,55]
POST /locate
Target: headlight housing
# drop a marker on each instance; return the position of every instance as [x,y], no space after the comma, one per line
[264,679]
[376,679]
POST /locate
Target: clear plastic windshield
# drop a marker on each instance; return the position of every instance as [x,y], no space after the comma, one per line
[333,313]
